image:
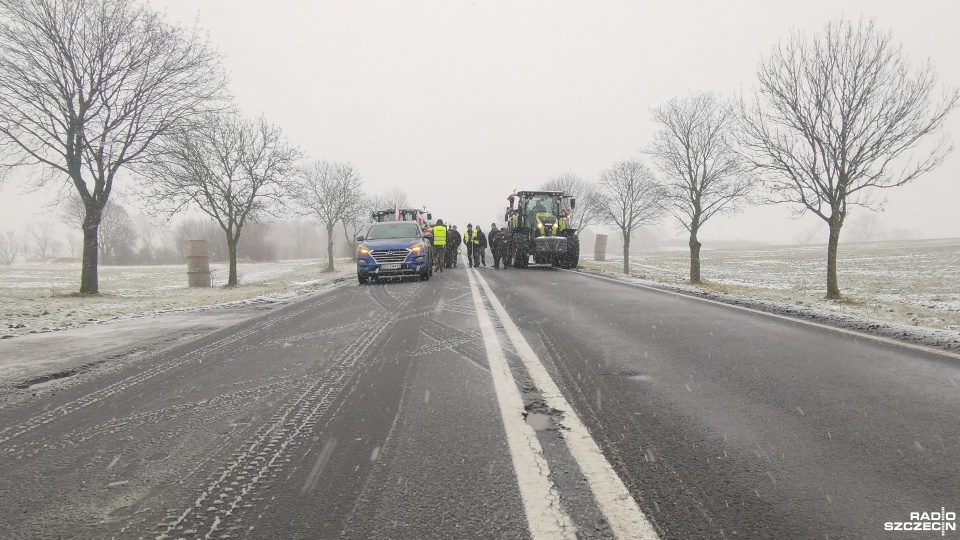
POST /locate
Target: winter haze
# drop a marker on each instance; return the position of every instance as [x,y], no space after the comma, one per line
[456,103]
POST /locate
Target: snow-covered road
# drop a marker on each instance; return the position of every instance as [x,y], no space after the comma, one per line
[379,412]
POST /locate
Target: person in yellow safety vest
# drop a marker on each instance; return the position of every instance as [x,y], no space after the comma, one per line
[474,241]
[563,219]
[468,241]
[439,245]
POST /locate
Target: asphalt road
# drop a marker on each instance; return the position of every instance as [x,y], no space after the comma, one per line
[568,406]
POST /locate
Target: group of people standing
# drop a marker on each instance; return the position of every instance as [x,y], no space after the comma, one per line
[447,242]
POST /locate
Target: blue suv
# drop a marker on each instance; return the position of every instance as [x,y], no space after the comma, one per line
[394,249]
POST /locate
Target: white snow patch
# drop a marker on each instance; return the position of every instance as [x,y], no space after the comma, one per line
[40,297]
[911,283]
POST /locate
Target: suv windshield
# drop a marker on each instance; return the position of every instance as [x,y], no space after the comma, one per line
[393,230]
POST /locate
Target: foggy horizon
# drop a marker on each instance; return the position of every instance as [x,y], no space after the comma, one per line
[457,104]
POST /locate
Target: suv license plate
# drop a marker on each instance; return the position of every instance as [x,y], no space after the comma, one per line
[394,266]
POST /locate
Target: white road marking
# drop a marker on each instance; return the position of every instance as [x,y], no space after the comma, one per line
[618,506]
[545,516]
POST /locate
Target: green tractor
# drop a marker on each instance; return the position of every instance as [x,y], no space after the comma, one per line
[537,224]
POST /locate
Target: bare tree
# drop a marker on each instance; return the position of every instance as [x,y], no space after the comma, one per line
[704,174]
[303,233]
[237,171]
[86,86]
[256,244]
[116,237]
[167,250]
[629,197]
[355,218]
[839,115]
[809,235]
[330,192]
[150,239]
[74,244]
[9,247]
[201,229]
[583,191]
[40,240]
[393,198]
[866,228]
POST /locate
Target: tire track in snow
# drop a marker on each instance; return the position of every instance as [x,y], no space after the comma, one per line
[346,328]
[100,395]
[157,417]
[221,505]
[449,338]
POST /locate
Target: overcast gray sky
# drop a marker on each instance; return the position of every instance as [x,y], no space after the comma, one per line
[458,102]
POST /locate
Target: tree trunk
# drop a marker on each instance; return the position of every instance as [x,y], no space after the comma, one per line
[833,287]
[694,257]
[232,254]
[626,253]
[89,282]
[330,247]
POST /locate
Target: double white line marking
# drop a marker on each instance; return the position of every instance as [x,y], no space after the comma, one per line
[545,514]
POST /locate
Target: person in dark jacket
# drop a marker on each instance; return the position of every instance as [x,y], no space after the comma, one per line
[505,246]
[499,248]
[453,246]
[456,255]
[481,255]
[493,238]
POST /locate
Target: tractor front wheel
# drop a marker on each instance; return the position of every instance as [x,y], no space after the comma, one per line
[572,258]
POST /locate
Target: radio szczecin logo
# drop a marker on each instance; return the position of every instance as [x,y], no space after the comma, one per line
[941,521]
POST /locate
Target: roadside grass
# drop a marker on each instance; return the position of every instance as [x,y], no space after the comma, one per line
[914,283]
[37,297]
[910,282]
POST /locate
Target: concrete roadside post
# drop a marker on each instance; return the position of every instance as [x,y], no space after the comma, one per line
[198,263]
[600,248]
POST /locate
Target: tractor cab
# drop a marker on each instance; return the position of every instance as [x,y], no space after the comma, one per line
[542,215]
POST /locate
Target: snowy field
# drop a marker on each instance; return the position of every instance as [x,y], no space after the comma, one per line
[914,283]
[41,297]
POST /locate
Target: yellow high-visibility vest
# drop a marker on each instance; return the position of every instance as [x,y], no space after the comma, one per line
[439,235]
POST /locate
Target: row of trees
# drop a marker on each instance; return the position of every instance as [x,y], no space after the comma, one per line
[833,118]
[89,87]
[142,241]
[95,90]
[37,239]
